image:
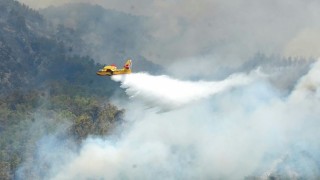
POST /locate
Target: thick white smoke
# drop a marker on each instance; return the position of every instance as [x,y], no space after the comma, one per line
[168,93]
[308,87]
[248,131]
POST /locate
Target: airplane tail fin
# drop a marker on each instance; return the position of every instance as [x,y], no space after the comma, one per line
[128,64]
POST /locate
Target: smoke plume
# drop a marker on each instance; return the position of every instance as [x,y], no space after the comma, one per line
[249,131]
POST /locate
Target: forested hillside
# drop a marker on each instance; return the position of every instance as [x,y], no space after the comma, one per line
[45,85]
[31,55]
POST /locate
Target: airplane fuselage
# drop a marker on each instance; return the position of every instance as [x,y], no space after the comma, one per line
[111,70]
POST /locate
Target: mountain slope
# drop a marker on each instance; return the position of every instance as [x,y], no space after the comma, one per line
[41,79]
[32,55]
[107,35]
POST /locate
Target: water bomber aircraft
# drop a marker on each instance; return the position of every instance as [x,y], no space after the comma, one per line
[112,69]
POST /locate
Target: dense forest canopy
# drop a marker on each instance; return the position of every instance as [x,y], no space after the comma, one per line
[43,82]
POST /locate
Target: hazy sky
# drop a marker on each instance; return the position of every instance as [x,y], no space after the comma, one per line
[220,31]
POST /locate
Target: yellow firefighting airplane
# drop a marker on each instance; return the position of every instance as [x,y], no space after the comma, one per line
[111,70]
